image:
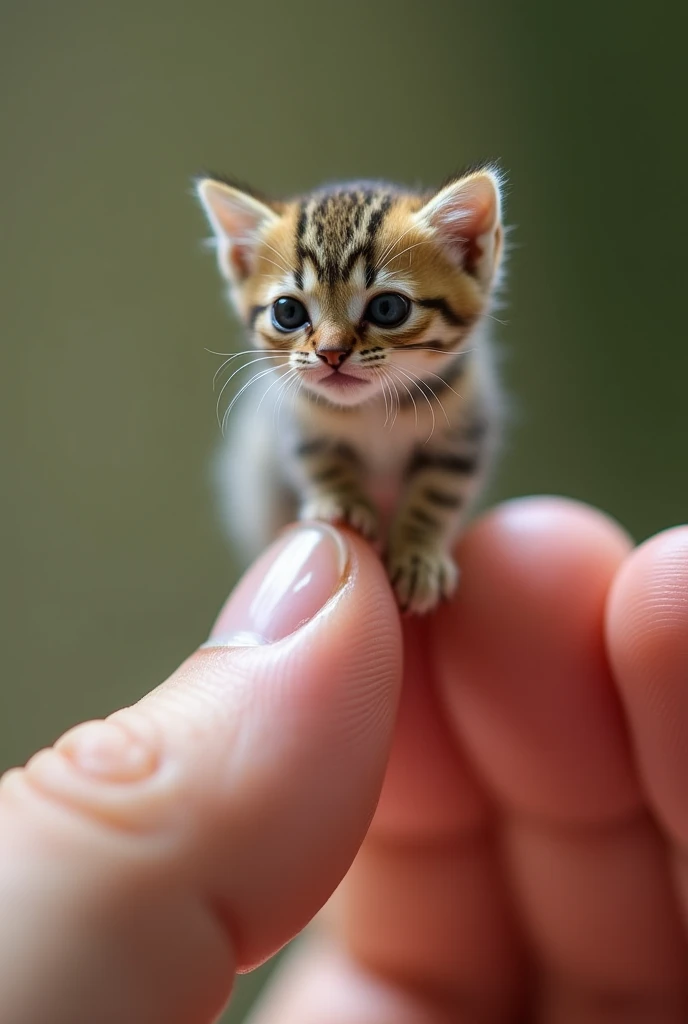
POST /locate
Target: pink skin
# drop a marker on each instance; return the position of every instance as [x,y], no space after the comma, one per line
[527,850]
[347,386]
[341,381]
[352,377]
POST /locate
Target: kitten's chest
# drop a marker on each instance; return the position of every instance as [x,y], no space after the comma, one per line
[383,443]
[384,448]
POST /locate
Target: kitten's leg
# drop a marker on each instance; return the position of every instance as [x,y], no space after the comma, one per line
[330,480]
[443,480]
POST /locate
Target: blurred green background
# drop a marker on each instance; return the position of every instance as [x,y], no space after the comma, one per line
[113,564]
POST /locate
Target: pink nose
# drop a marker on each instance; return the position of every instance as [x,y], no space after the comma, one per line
[333,356]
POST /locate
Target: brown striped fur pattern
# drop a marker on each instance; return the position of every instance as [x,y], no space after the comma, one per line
[373,400]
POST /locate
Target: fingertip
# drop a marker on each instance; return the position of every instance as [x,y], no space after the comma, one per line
[522,664]
[648,605]
[532,561]
[535,527]
[647,640]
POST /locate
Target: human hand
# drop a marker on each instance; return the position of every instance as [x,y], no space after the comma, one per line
[143,861]
[526,847]
[527,860]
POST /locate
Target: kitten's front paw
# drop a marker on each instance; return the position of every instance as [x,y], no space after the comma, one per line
[361,516]
[421,577]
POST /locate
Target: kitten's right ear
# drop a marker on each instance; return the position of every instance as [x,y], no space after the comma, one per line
[466,218]
[238,221]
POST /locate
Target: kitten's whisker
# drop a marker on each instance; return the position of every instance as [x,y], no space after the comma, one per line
[267,390]
[446,384]
[426,385]
[281,256]
[286,380]
[296,392]
[394,402]
[257,376]
[418,383]
[235,355]
[280,401]
[399,254]
[402,350]
[251,241]
[219,371]
[279,267]
[298,382]
[408,391]
[388,388]
[227,361]
[247,352]
[258,359]
[397,408]
[396,241]
[390,410]
[379,372]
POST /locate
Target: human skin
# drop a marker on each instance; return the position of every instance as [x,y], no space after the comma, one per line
[526,854]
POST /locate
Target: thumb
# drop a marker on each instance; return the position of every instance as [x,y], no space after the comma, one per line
[195,833]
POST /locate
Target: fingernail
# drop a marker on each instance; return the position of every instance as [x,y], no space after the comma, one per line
[285,588]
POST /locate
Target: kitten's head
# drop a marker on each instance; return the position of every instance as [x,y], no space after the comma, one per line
[360,287]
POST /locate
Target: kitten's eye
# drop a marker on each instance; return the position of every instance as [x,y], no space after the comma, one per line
[388,310]
[289,314]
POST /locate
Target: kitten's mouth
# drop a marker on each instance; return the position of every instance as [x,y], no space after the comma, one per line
[341,387]
[340,381]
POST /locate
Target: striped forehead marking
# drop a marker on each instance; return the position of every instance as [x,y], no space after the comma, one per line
[336,230]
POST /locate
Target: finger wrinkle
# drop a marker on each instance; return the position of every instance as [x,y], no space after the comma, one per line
[655,623]
[108,751]
[463,840]
[565,999]
[52,779]
[576,829]
[601,911]
[440,920]
[648,606]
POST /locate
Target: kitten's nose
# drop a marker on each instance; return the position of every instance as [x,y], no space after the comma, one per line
[333,356]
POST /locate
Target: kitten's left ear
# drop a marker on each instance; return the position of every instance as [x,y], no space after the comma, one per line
[238,220]
[466,216]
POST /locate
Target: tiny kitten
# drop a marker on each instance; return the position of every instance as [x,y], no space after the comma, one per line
[378,408]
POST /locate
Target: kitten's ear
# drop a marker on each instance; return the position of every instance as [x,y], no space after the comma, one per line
[238,221]
[466,216]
